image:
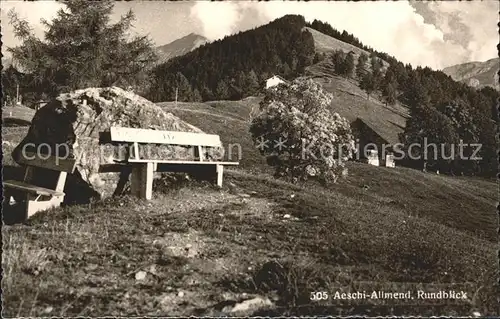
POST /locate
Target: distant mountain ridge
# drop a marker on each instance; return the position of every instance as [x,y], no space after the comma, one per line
[180,46]
[476,74]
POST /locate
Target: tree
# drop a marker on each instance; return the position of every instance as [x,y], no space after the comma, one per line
[389,87]
[222,91]
[318,57]
[11,79]
[286,71]
[299,135]
[197,96]
[294,61]
[252,82]
[184,90]
[81,48]
[428,126]
[390,93]
[305,51]
[376,64]
[207,94]
[416,94]
[367,83]
[338,58]
[349,64]
[236,88]
[361,66]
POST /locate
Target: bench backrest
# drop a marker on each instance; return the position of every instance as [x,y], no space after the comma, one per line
[49,162]
[135,135]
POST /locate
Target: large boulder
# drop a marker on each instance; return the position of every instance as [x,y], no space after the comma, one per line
[81,119]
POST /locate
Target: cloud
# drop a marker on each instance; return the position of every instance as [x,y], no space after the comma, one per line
[436,35]
[218,18]
[471,25]
[33,12]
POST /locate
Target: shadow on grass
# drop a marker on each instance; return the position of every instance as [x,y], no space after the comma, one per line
[12,214]
[14,122]
[173,182]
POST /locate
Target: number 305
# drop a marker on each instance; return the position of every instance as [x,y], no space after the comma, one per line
[319,295]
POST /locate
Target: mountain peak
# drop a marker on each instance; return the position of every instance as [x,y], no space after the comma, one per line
[180,46]
[194,35]
[476,74]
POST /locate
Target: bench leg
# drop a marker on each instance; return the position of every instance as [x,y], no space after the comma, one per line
[34,206]
[141,184]
[219,169]
[31,206]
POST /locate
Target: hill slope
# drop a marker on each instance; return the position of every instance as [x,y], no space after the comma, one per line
[326,43]
[351,102]
[348,99]
[476,74]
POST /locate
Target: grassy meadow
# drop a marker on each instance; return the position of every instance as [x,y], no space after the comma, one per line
[197,250]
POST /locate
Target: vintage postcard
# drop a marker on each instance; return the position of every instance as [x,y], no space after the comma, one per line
[244,158]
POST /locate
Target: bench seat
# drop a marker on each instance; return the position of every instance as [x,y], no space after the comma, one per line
[28,188]
[37,198]
[143,169]
[175,162]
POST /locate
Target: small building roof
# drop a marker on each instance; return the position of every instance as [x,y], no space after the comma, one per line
[387,130]
[279,77]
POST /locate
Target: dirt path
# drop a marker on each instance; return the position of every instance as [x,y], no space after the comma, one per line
[207,258]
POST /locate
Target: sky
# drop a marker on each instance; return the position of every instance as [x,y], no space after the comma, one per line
[434,34]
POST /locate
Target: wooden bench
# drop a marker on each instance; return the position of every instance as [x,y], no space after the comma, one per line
[143,169]
[35,197]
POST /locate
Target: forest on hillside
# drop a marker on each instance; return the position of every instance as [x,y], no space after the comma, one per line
[237,65]
[442,110]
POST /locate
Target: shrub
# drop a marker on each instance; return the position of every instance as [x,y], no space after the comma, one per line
[299,135]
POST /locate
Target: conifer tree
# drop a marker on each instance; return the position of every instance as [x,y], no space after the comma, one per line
[349,65]
[389,93]
[197,96]
[184,90]
[252,82]
[361,66]
[81,48]
[338,58]
[367,84]
[389,87]
[222,91]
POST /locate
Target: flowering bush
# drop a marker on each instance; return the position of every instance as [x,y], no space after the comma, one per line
[299,135]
